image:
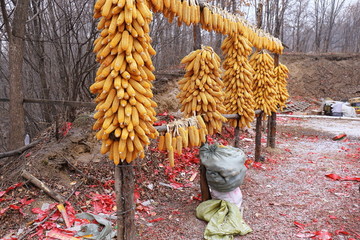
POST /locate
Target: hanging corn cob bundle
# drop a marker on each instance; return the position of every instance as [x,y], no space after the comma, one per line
[281,74]
[201,88]
[238,80]
[186,11]
[216,19]
[213,18]
[182,133]
[264,91]
[125,111]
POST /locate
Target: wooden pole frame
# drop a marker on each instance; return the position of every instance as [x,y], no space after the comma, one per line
[125,209]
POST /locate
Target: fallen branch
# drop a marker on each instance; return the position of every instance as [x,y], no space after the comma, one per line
[25,174]
[19,150]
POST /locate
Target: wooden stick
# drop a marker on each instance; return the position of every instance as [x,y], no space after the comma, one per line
[25,174]
[19,150]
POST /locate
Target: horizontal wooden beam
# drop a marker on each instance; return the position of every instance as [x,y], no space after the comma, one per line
[57,102]
[163,128]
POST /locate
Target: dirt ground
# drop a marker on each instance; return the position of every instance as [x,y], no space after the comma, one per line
[288,196]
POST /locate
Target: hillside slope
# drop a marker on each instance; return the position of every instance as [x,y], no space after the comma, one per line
[329,75]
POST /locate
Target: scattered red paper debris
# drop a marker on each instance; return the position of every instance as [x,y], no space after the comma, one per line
[288,150]
[323,235]
[64,130]
[54,233]
[17,206]
[305,235]
[159,123]
[299,225]
[338,232]
[198,197]
[338,178]
[339,137]
[2,193]
[156,220]
[163,114]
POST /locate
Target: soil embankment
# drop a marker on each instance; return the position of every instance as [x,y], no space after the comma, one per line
[326,75]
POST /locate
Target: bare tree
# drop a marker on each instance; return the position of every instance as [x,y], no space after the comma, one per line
[16,33]
[335,8]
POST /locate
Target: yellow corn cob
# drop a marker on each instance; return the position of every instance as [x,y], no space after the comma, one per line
[171,156]
[161,144]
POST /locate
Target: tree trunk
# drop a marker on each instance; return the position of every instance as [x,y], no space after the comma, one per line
[259,15]
[46,109]
[16,56]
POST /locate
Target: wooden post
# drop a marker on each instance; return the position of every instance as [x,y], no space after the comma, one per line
[124,189]
[205,191]
[119,203]
[236,136]
[271,134]
[259,18]
[128,195]
[258,137]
